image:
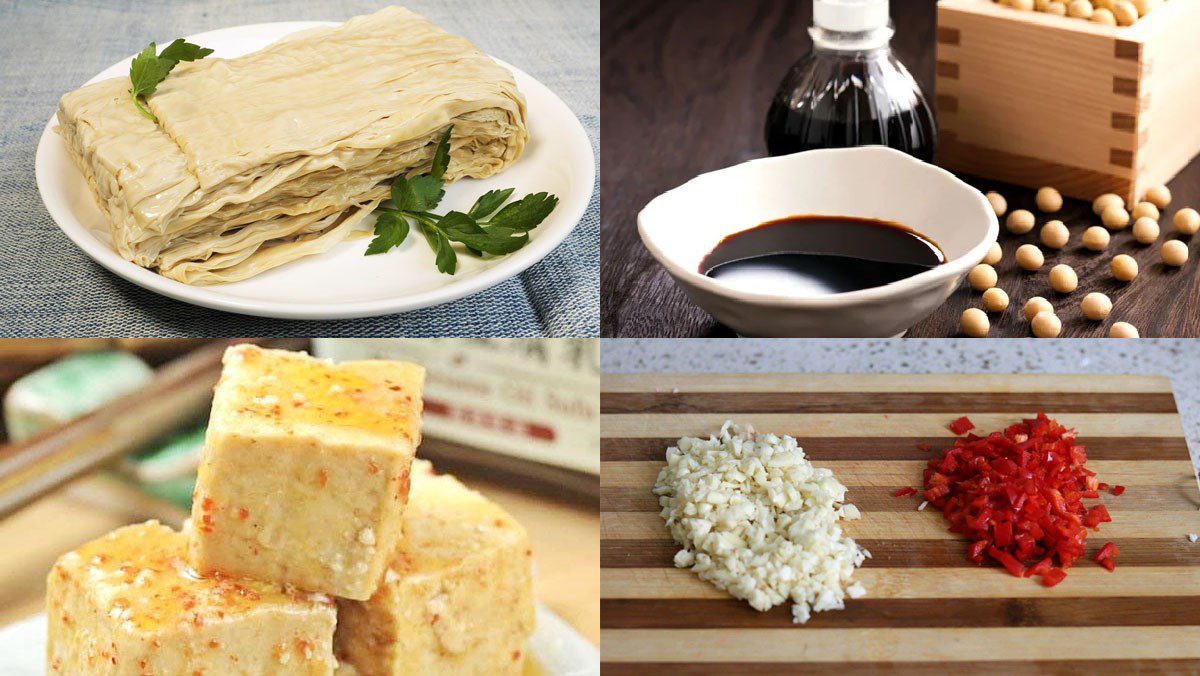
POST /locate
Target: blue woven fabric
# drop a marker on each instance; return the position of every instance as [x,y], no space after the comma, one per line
[50,287]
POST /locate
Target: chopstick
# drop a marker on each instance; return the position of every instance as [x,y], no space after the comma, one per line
[180,394]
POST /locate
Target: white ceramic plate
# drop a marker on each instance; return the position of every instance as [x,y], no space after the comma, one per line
[556,647]
[342,282]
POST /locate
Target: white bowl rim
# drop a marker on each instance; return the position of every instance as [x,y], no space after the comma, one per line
[932,277]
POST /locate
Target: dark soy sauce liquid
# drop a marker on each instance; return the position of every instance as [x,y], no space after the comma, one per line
[832,99]
[820,255]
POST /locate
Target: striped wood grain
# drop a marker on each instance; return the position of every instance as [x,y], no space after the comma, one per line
[926,607]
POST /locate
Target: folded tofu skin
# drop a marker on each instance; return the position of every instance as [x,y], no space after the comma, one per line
[457,598]
[129,604]
[279,154]
[306,470]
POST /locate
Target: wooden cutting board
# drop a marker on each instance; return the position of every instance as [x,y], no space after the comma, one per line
[926,606]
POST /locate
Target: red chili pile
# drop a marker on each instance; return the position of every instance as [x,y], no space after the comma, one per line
[1018,496]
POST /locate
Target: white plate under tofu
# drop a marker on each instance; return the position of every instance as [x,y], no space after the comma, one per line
[342,282]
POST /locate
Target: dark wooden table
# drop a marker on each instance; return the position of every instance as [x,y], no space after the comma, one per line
[685,86]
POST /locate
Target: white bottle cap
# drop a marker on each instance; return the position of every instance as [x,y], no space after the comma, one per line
[850,16]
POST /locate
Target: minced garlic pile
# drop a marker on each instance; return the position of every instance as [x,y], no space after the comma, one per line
[755,518]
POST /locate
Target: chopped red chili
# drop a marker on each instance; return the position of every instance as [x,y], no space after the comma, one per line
[1014,566]
[1053,576]
[961,425]
[1096,516]
[1017,495]
[1041,567]
[903,492]
[1117,490]
[1108,551]
[975,554]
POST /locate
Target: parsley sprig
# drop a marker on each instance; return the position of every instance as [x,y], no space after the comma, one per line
[489,227]
[149,69]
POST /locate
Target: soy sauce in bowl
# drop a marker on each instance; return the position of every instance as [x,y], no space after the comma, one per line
[820,255]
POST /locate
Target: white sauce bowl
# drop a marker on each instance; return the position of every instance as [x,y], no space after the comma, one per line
[683,225]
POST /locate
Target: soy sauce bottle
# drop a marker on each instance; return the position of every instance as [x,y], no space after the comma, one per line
[850,90]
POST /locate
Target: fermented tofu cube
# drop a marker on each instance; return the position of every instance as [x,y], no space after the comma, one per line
[306,469]
[127,603]
[458,597]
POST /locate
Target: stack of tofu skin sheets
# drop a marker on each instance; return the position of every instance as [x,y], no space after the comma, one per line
[259,160]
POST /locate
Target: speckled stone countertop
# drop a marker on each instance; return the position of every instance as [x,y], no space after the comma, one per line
[1177,359]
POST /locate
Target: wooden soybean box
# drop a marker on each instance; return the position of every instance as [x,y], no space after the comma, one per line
[1036,99]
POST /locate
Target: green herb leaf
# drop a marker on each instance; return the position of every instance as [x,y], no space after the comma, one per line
[391,229]
[498,241]
[148,70]
[401,194]
[421,193]
[441,156]
[444,256]
[145,73]
[526,213]
[181,50]
[427,192]
[415,198]
[456,224]
[489,202]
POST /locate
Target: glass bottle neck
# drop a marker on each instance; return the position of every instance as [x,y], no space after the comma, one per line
[865,42]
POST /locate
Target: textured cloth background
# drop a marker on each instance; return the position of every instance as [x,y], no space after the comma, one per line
[49,287]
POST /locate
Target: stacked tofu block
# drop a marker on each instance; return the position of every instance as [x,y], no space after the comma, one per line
[458,597]
[306,470]
[129,603]
[307,491]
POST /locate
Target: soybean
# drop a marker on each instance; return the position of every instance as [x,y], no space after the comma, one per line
[1123,330]
[1080,9]
[1145,230]
[1105,201]
[1048,199]
[1114,217]
[975,322]
[1096,238]
[994,254]
[1063,278]
[1029,257]
[999,204]
[1186,221]
[1124,267]
[1174,253]
[982,277]
[1055,234]
[1158,195]
[1046,325]
[1096,306]
[1144,210]
[1035,305]
[995,299]
[1125,13]
[1019,222]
